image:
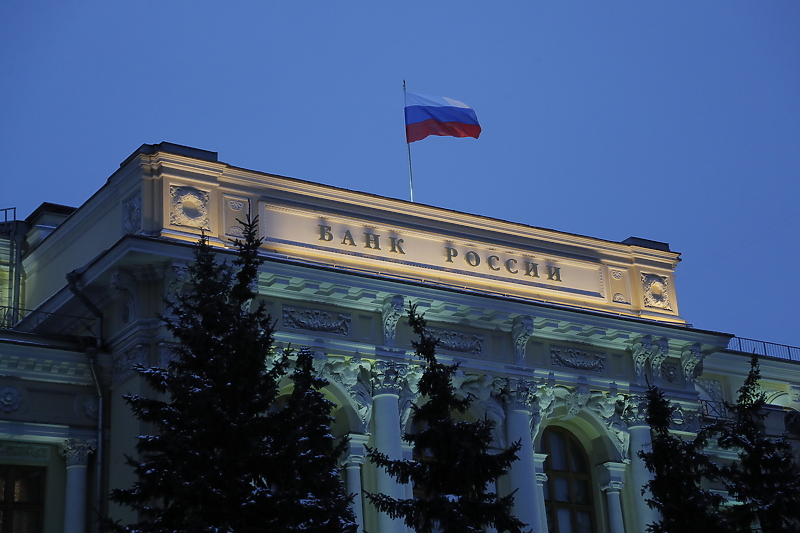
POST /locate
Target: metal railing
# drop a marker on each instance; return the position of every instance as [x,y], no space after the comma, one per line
[8,214]
[764,349]
[46,323]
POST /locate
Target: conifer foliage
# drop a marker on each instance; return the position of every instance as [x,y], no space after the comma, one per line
[208,464]
[312,497]
[765,481]
[453,466]
[679,467]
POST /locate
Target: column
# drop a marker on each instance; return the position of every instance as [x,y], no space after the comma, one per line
[76,452]
[541,477]
[355,459]
[388,382]
[518,398]
[640,475]
[612,479]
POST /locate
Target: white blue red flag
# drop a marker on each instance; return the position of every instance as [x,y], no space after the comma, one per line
[437,115]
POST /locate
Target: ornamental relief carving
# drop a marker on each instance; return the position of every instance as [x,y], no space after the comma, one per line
[132,215]
[26,451]
[521,332]
[124,362]
[390,314]
[316,320]
[457,341]
[578,359]
[76,451]
[354,376]
[10,399]
[189,207]
[656,291]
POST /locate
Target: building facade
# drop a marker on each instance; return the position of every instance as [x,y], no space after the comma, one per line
[557,336]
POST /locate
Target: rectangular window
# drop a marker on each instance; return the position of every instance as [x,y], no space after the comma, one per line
[21,499]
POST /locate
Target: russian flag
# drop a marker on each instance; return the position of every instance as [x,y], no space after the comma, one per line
[437,115]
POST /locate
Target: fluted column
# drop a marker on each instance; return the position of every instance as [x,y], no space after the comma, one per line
[612,479]
[76,452]
[518,397]
[640,440]
[388,382]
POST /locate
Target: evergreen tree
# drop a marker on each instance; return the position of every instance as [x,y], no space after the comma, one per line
[765,481]
[312,496]
[452,467]
[208,464]
[679,467]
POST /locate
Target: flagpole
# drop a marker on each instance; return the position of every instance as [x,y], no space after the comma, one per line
[408,145]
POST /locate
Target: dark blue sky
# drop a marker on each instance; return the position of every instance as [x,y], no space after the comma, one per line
[673,121]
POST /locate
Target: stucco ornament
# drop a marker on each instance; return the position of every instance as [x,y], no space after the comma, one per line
[189,207]
[10,399]
[656,291]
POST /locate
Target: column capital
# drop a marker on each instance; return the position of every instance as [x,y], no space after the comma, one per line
[76,451]
[612,476]
[388,377]
[519,395]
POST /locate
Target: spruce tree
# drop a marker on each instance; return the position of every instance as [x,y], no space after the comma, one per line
[679,467]
[312,497]
[765,481]
[208,462]
[452,466]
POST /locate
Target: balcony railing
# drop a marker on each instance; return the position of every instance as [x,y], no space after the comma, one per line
[764,349]
[46,323]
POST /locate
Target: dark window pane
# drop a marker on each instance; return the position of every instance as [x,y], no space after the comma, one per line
[584,520]
[564,521]
[561,486]
[25,522]
[558,452]
[3,475]
[546,489]
[582,492]
[578,464]
[28,486]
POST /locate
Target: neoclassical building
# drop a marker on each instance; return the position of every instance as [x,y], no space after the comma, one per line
[557,335]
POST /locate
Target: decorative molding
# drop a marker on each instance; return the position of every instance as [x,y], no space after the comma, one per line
[457,341]
[189,207]
[669,371]
[10,399]
[354,376]
[125,283]
[577,398]
[76,451]
[634,411]
[174,279]
[578,359]
[393,308]
[91,406]
[521,331]
[316,320]
[658,356]
[24,451]
[691,357]
[687,420]
[616,274]
[132,215]
[388,377]
[619,298]
[641,351]
[519,394]
[124,362]
[656,291]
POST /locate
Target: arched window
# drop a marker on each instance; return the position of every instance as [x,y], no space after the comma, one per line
[568,489]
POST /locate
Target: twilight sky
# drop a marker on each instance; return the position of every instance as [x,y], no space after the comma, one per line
[673,121]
